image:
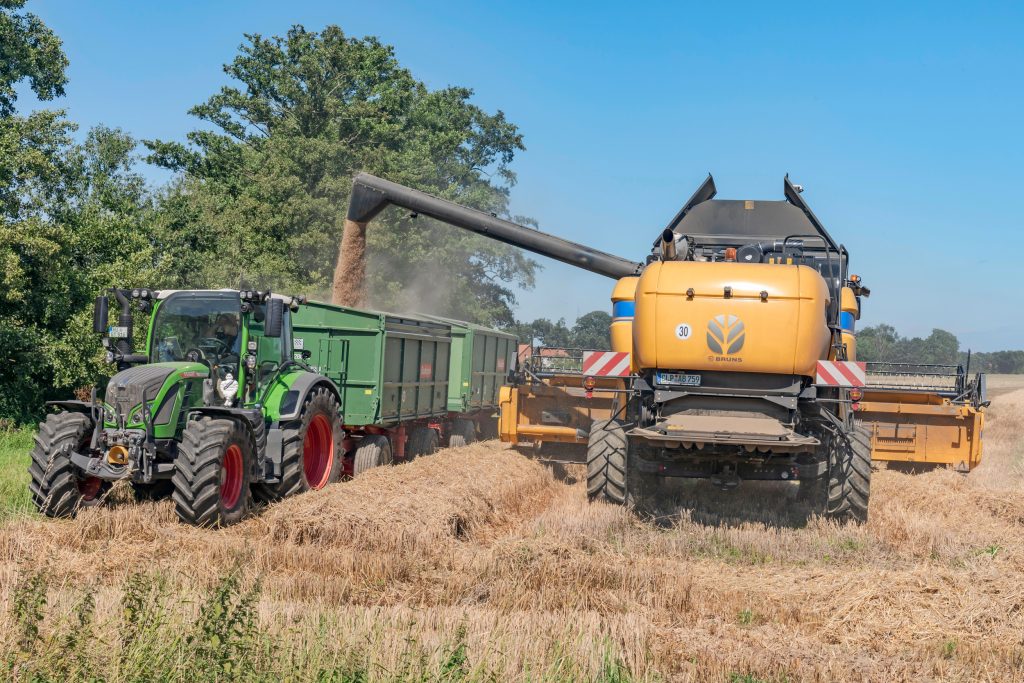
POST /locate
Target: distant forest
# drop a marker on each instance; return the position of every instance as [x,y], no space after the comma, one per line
[882,343]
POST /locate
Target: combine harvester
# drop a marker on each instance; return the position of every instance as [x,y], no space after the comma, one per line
[739,330]
[249,396]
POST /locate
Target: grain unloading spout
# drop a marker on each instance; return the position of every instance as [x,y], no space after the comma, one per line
[370,195]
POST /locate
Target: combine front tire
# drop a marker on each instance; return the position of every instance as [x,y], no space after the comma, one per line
[849,476]
[606,461]
[58,487]
[373,450]
[313,453]
[463,433]
[212,473]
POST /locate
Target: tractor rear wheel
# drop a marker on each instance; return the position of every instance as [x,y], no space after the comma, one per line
[463,433]
[313,454]
[849,476]
[606,461]
[374,450]
[422,441]
[212,473]
[59,488]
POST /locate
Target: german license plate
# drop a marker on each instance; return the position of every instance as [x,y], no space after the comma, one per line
[679,379]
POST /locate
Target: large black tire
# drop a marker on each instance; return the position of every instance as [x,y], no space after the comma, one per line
[488,427]
[58,487]
[374,450]
[463,433]
[313,453]
[422,441]
[212,473]
[606,461]
[849,476]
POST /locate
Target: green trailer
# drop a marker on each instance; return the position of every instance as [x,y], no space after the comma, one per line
[241,397]
[481,360]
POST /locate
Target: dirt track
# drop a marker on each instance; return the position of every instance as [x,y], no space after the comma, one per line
[719,584]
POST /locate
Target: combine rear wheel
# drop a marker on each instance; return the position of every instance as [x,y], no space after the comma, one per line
[373,450]
[463,433]
[59,488]
[212,473]
[849,476]
[606,461]
[313,454]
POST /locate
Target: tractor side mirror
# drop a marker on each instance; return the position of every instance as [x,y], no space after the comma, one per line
[100,315]
[275,318]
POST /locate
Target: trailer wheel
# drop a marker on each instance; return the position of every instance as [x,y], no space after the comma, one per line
[606,461]
[463,433]
[313,455]
[488,426]
[373,450]
[849,476]
[422,441]
[58,487]
[212,473]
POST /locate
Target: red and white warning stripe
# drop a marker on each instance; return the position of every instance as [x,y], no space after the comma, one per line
[838,373]
[606,363]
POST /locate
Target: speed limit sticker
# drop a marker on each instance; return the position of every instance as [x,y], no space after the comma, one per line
[684,330]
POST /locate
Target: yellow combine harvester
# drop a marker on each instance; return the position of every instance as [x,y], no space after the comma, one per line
[921,416]
[739,332]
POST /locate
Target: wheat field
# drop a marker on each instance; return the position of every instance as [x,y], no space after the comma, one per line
[506,554]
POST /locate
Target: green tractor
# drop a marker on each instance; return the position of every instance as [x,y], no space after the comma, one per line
[217,411]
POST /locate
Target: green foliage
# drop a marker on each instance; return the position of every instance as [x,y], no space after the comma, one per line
[15,498]
[882,343]
[28,50]
[72,222]
[156,637]
[591,331]
[265,182]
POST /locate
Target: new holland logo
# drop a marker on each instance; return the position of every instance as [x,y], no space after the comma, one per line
[726,334]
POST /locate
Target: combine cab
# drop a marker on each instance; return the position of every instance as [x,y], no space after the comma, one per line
[924,416]
[551,400]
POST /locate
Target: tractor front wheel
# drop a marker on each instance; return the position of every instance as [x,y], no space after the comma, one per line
[212,473]
[59,488]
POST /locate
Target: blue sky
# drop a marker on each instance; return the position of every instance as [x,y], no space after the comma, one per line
[903,122]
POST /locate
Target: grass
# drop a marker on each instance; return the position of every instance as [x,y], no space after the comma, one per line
[477,564]
[14,459]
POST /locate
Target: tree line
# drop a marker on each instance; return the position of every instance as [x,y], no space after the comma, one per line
[257,198]
[882,343]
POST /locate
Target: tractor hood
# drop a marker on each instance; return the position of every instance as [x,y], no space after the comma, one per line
[156,383]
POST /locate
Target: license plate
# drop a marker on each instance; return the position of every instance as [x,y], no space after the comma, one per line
[679,378]
[117,332]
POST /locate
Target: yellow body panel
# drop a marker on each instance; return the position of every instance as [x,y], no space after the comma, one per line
[556,410]
[783,332]
[622,325]
[922,428]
